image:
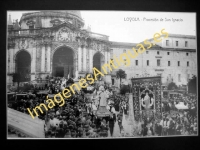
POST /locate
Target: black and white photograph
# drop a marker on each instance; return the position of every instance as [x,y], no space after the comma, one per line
[96,74]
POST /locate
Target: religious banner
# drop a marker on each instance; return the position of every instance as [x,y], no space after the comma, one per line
[146,97]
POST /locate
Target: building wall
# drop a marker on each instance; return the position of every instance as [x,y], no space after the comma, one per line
[181,42]
[38,58]
[174,56]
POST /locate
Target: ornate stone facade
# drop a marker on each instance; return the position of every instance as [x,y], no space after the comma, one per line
[56,30]
[54,34]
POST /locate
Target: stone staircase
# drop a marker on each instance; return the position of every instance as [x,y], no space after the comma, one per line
[22,125]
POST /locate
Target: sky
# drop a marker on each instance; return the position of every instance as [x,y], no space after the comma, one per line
[124,26]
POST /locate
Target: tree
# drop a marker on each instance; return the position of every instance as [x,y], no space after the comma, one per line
[124,89]
[172,86]
[192,85]
[120,74]
[17,78]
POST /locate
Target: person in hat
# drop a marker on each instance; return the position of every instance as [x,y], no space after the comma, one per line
[88,121]
[171,130]
[158,128]
[53,134]
[111,122]
[48,134]
[163,123]
[195,128]
[119,120]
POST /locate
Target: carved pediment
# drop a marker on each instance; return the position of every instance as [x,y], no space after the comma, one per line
[23,44]
[64,34]
[30,23]
[55,22]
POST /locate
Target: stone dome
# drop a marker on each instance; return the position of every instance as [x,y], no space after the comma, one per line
[71,12]
[53,13]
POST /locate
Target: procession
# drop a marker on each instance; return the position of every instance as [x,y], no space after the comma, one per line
[71,75]
[98,112]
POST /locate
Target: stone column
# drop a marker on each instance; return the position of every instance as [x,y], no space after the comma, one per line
[33,59]
[49,59]
[43,59]
[105,58]
[91,60]
[79,58]
[84,58]
[88,59]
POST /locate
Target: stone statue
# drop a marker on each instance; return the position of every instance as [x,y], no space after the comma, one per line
[103,97]
[147,101]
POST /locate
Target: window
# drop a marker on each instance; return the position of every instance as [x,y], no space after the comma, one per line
[147,62]
[168,63]
[178,63]
[158,62]
[136,62]
[186,43]
[187,63]
[168,53]
[31,28]
[176,43]
[158,52]
[124,61]
[167,42]
[113,81]
[147,52]
[111,53]
[179,77]
[187,54]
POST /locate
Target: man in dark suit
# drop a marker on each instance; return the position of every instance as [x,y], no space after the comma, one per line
[145,129]
[172,127]
[158,129]
[177,128]
[119,119]
[111,120]
[97,121]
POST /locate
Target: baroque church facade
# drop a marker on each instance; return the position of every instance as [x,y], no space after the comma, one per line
[56,43]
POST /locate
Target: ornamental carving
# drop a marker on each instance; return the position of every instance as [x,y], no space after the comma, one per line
[64,34]
[30,23]
[74,46]
[23,44]
[43,33]
[98,46]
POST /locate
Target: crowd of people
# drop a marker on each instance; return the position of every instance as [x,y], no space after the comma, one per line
[174,121]
[78,118]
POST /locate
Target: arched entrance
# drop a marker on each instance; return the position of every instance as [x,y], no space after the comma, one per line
[63,62]
[98,60]
[23,65]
